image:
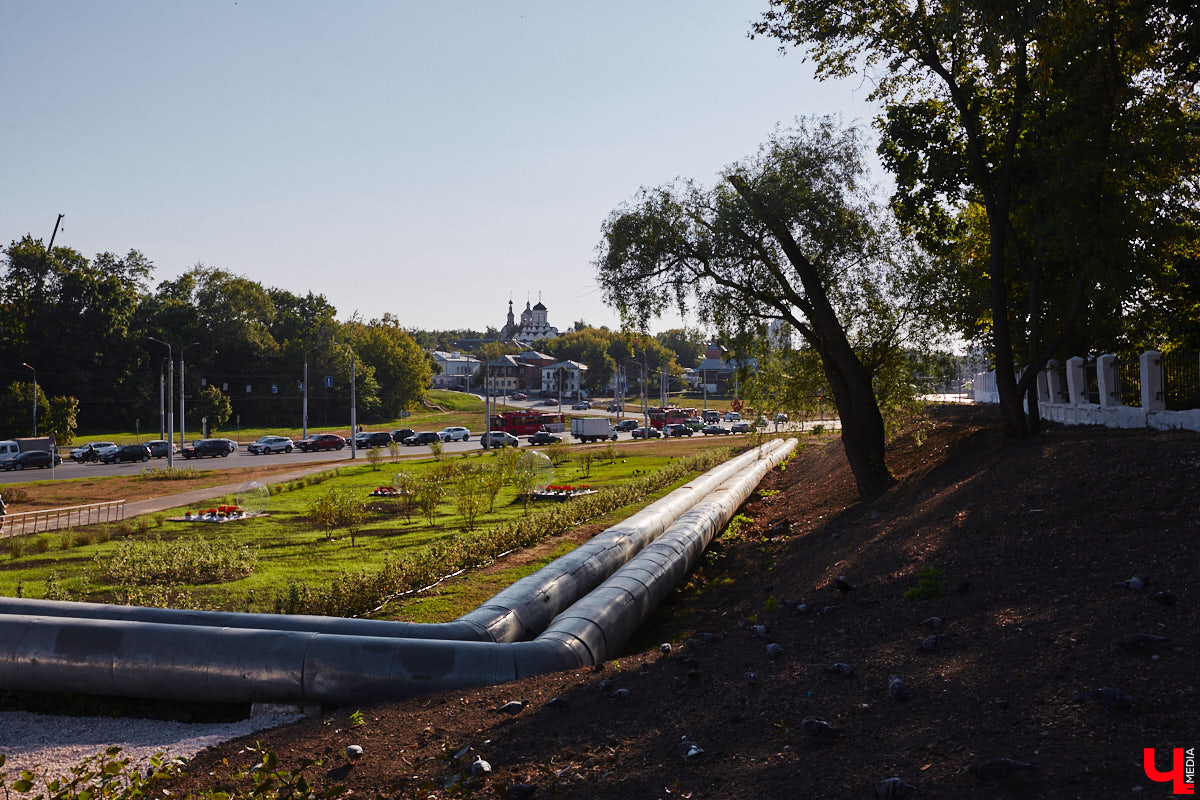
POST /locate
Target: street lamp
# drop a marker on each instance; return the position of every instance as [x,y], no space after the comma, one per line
[181,392]
[23,364]
[170,402]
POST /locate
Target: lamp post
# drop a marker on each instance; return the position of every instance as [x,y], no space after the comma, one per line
[170,402]
[23,364]
[181,392]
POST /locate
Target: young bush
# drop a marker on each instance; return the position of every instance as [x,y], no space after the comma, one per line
[586,458]
[469,496]
[559,452]
[430,492]
[374,458]
[436,449]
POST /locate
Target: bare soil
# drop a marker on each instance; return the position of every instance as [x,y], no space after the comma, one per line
[1031,541]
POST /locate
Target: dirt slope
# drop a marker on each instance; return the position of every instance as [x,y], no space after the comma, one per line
[1032,540]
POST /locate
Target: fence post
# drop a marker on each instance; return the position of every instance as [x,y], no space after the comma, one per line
[1106,380]
[1150,364]
[1076,381]
[1054,387]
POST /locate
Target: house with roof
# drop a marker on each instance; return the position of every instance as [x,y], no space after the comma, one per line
[563,377]
[718,372]
[457,370]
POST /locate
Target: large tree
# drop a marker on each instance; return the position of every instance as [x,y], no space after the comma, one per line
[790,234]
[1069,126]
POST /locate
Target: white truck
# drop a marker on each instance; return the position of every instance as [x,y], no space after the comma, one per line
[592,429]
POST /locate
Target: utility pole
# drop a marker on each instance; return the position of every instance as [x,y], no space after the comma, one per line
[353,411]
[162,404]
[170,400]
[304,411]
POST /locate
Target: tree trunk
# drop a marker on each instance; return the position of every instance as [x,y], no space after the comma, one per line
[862,424]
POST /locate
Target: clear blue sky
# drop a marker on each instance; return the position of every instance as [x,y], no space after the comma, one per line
[427,159]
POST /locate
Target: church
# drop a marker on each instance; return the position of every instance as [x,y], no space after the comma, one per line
[534,325]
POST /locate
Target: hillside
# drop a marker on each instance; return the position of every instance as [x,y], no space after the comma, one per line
[1032,541]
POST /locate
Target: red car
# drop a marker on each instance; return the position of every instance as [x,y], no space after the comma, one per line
[322,441]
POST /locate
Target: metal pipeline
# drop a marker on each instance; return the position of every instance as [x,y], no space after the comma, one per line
[517,613]
[237,664]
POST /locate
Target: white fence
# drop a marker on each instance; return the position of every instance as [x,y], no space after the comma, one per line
[1079,392]
[30,522]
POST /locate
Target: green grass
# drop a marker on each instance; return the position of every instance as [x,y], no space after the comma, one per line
[289,549]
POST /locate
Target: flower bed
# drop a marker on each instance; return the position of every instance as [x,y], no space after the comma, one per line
[215,514]
[561,493]
[386,491]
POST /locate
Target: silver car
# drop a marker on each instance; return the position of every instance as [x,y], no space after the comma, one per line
[266,445]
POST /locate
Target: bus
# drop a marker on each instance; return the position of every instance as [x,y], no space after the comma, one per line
[522,423]
[669,416]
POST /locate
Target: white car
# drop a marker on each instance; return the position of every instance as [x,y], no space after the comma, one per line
[270,444]
[454,434]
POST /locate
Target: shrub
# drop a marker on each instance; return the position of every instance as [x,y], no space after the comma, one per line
[40,545]
[930,584]
[16,547]
[374,458]
[192,560]
[469,495]
[436,449]
[14,494]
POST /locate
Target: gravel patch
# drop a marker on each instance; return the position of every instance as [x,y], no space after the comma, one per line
[50,745]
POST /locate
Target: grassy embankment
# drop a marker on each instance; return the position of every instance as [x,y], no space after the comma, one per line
[259,561]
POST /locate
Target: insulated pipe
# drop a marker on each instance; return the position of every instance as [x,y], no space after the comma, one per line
[147,659]
[516,613]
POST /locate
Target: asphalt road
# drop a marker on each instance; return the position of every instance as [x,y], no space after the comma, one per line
[241,458]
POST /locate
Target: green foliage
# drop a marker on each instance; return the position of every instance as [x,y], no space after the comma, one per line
[470,494]
[930,584]
[733,531]
[436,449]
[104,776]
[356,719]
[431,490]
[193,559]
[214,405]
[375,458]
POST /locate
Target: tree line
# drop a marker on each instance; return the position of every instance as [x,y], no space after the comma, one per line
[84,326]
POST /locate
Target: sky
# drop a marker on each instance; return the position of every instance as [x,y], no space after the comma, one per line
[430,160]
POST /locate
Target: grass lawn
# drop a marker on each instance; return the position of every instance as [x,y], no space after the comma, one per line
[289,553]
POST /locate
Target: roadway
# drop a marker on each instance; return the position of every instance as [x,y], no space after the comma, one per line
[241,458]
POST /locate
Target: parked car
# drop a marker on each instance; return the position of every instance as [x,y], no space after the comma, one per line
[617,407]
[127,452]
[742,427]
[646,433]
[265,445]
[626,425]
[781,417]
[731,416]
[365,440]
[160,447]
[676,429]
[544,437]
[208,447]
[711,415]
[400,434]
[550,401]
[92,451]
[498,439]
[715,430]
[582,405]
[454,434]
[695,423]
[519,396]
[32,459]
[422,437]
[321,441]
[233,446]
